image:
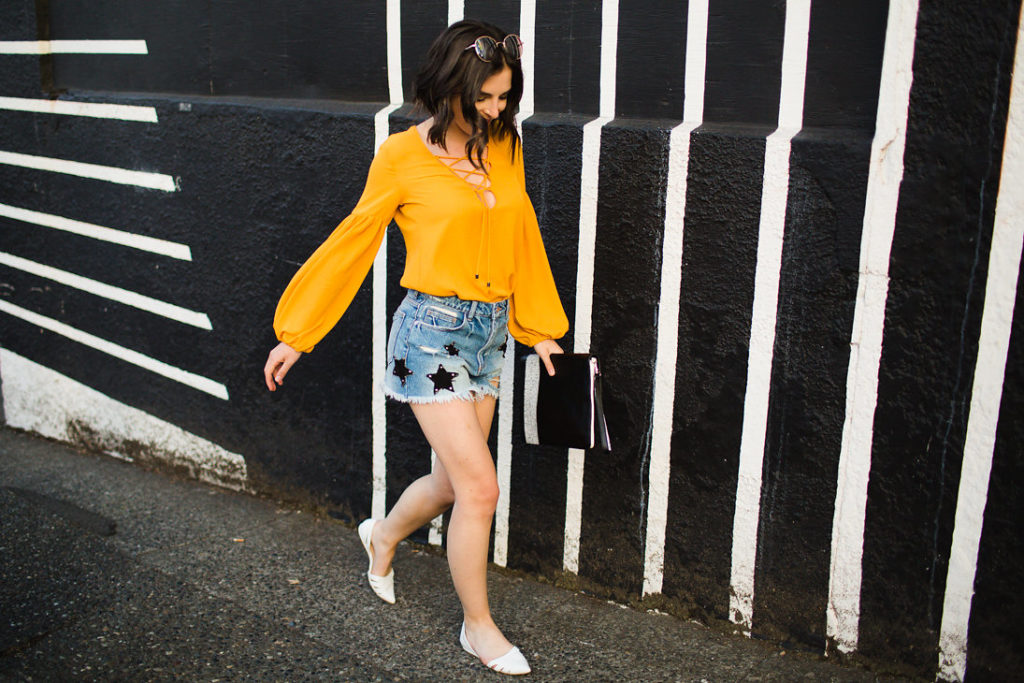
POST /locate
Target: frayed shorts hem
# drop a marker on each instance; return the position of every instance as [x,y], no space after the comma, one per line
[475,394]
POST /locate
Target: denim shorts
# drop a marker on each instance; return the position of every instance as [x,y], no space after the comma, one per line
[443,348]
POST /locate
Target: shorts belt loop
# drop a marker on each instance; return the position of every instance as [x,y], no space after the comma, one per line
[472,309]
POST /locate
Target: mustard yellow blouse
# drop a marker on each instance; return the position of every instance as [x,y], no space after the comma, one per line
[455,245]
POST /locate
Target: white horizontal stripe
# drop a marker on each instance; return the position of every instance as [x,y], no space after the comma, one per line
[37,399]
[128,239]
[117,351]
[123,112]
[156,181]
[987,391]
[145,303]
[93,47]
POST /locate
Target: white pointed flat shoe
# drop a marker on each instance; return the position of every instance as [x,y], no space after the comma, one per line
[383,586]
[512,662]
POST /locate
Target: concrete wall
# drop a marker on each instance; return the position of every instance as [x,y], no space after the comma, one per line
[791,232]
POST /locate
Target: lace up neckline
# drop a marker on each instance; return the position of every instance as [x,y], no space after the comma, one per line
[480,181]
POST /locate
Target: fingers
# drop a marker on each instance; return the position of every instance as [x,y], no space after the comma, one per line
[268,373]
[280,360]
[283,369]
[547,363]
[544,349]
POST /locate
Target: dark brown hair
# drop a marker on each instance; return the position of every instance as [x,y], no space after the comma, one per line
[452,70]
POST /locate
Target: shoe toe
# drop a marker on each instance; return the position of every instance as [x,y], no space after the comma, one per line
[383,586]
[512,663]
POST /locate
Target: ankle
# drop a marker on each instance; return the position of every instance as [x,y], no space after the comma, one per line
[479,623]
[382,541]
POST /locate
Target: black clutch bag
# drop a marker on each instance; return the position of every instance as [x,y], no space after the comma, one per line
[564,410]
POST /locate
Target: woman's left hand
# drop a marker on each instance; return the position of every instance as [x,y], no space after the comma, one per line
[544,349]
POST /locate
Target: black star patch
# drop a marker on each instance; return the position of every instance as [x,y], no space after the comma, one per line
[503,347]
[442,379]
[400,371]
[452,349]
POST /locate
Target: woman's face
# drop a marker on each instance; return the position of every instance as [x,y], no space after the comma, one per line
[489,103]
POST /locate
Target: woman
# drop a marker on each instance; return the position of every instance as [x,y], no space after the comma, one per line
[476,270]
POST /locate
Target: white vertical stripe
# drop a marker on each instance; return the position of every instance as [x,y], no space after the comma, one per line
[434,535]
[884,177]
[696,62]
[573,511]
[668,307]
[145,303]
[156,181]
[117,351]
[394,29]
[456,10]
[762,325]
[378,499]
[986,394]
[46,47]
[589,175]
[527,13]
[527,31]
[123,112]
[128,239]
[505,405]
[609,51]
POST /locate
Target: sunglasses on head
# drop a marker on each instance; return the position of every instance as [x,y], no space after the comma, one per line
[487,47]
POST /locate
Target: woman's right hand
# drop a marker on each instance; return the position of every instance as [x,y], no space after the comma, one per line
[282,357]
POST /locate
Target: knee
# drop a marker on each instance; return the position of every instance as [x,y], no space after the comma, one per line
[482,499]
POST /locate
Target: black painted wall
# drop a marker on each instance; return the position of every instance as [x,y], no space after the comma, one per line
[266,119]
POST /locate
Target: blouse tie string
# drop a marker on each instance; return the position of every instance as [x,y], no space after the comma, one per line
[480,181]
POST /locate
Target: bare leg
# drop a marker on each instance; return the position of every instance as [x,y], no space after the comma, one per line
[455,432]
[422,501]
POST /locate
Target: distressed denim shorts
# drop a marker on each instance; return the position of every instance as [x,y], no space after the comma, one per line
[443,348]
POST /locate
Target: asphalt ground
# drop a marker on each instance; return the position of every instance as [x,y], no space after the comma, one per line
[111,572]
